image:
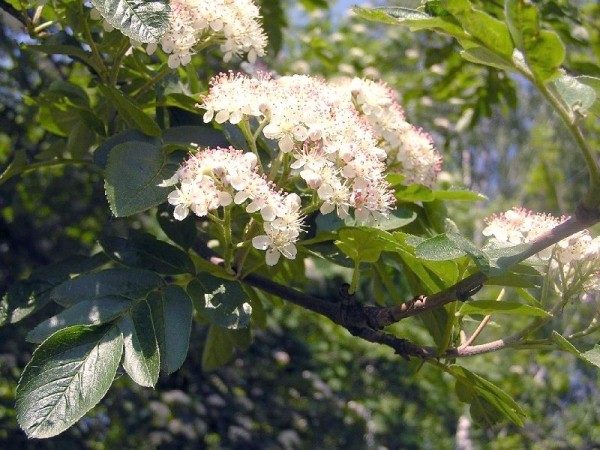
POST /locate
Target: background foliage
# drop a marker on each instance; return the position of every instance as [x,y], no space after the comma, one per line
[303,383]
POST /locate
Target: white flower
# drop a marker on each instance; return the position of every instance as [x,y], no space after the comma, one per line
[236,23]
[276,242]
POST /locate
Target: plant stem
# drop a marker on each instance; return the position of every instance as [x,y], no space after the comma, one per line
[61,162]
[96,55]
[163,72]
[244,127]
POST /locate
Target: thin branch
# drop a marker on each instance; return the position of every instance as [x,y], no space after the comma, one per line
[466,287]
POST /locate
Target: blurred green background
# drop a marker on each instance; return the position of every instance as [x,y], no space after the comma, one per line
[305,383]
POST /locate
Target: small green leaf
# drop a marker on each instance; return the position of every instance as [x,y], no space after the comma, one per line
[485,307]
[131,113]
[144,251]
[172,317]
[594,83]
[458,195]
[363,244]
[221,302]
[94,311]
[204,136]
[133,173]
[129,283]
[142,354]
[68,375]
[16,166]
[141,20]
[577,95]
[564,344]
[592,356]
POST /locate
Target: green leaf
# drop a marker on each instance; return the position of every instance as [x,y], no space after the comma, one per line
[485,307]
[362,244]
[438,248]
[487,30]
[273,9]
[144,251]
[68,375]
[129,283]
[94,311]
[204,136]
[218,348]
[481,55]
[142,354]
[543,50]
[103,150]
[16,166]
[141,20]
[576,95]
[221,302]
[28,296]
[133,172]
[172,317]
[414,19]
[182,232]
[594,83]
[131,113]
[488,402]
[564,344]
[458,195]
[220,345]
[592,356]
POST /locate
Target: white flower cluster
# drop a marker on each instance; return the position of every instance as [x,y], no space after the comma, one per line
[235,23]
[218,177]
[410,150]
[579,254]
[334,150]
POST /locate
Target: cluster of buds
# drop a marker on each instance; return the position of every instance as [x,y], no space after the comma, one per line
[234,23]
[214,178]
[577,256]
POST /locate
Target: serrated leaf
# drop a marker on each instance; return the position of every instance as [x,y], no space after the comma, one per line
[131,113]
[129,283]
[172,318]
[144,251]
[142,354]
[94,311]
[485,307]
[133,172]
[221,302]
[141,20]
[68,375]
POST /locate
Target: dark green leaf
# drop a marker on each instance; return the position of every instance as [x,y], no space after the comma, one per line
[141,20]
[67,376]
[133,173]
[144,251]
[221,302]
[94,311]
[182,232]
[142,354]
[218,348]
[172,317]
[103,150]
[204,136]
[131,113]
[129,283]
